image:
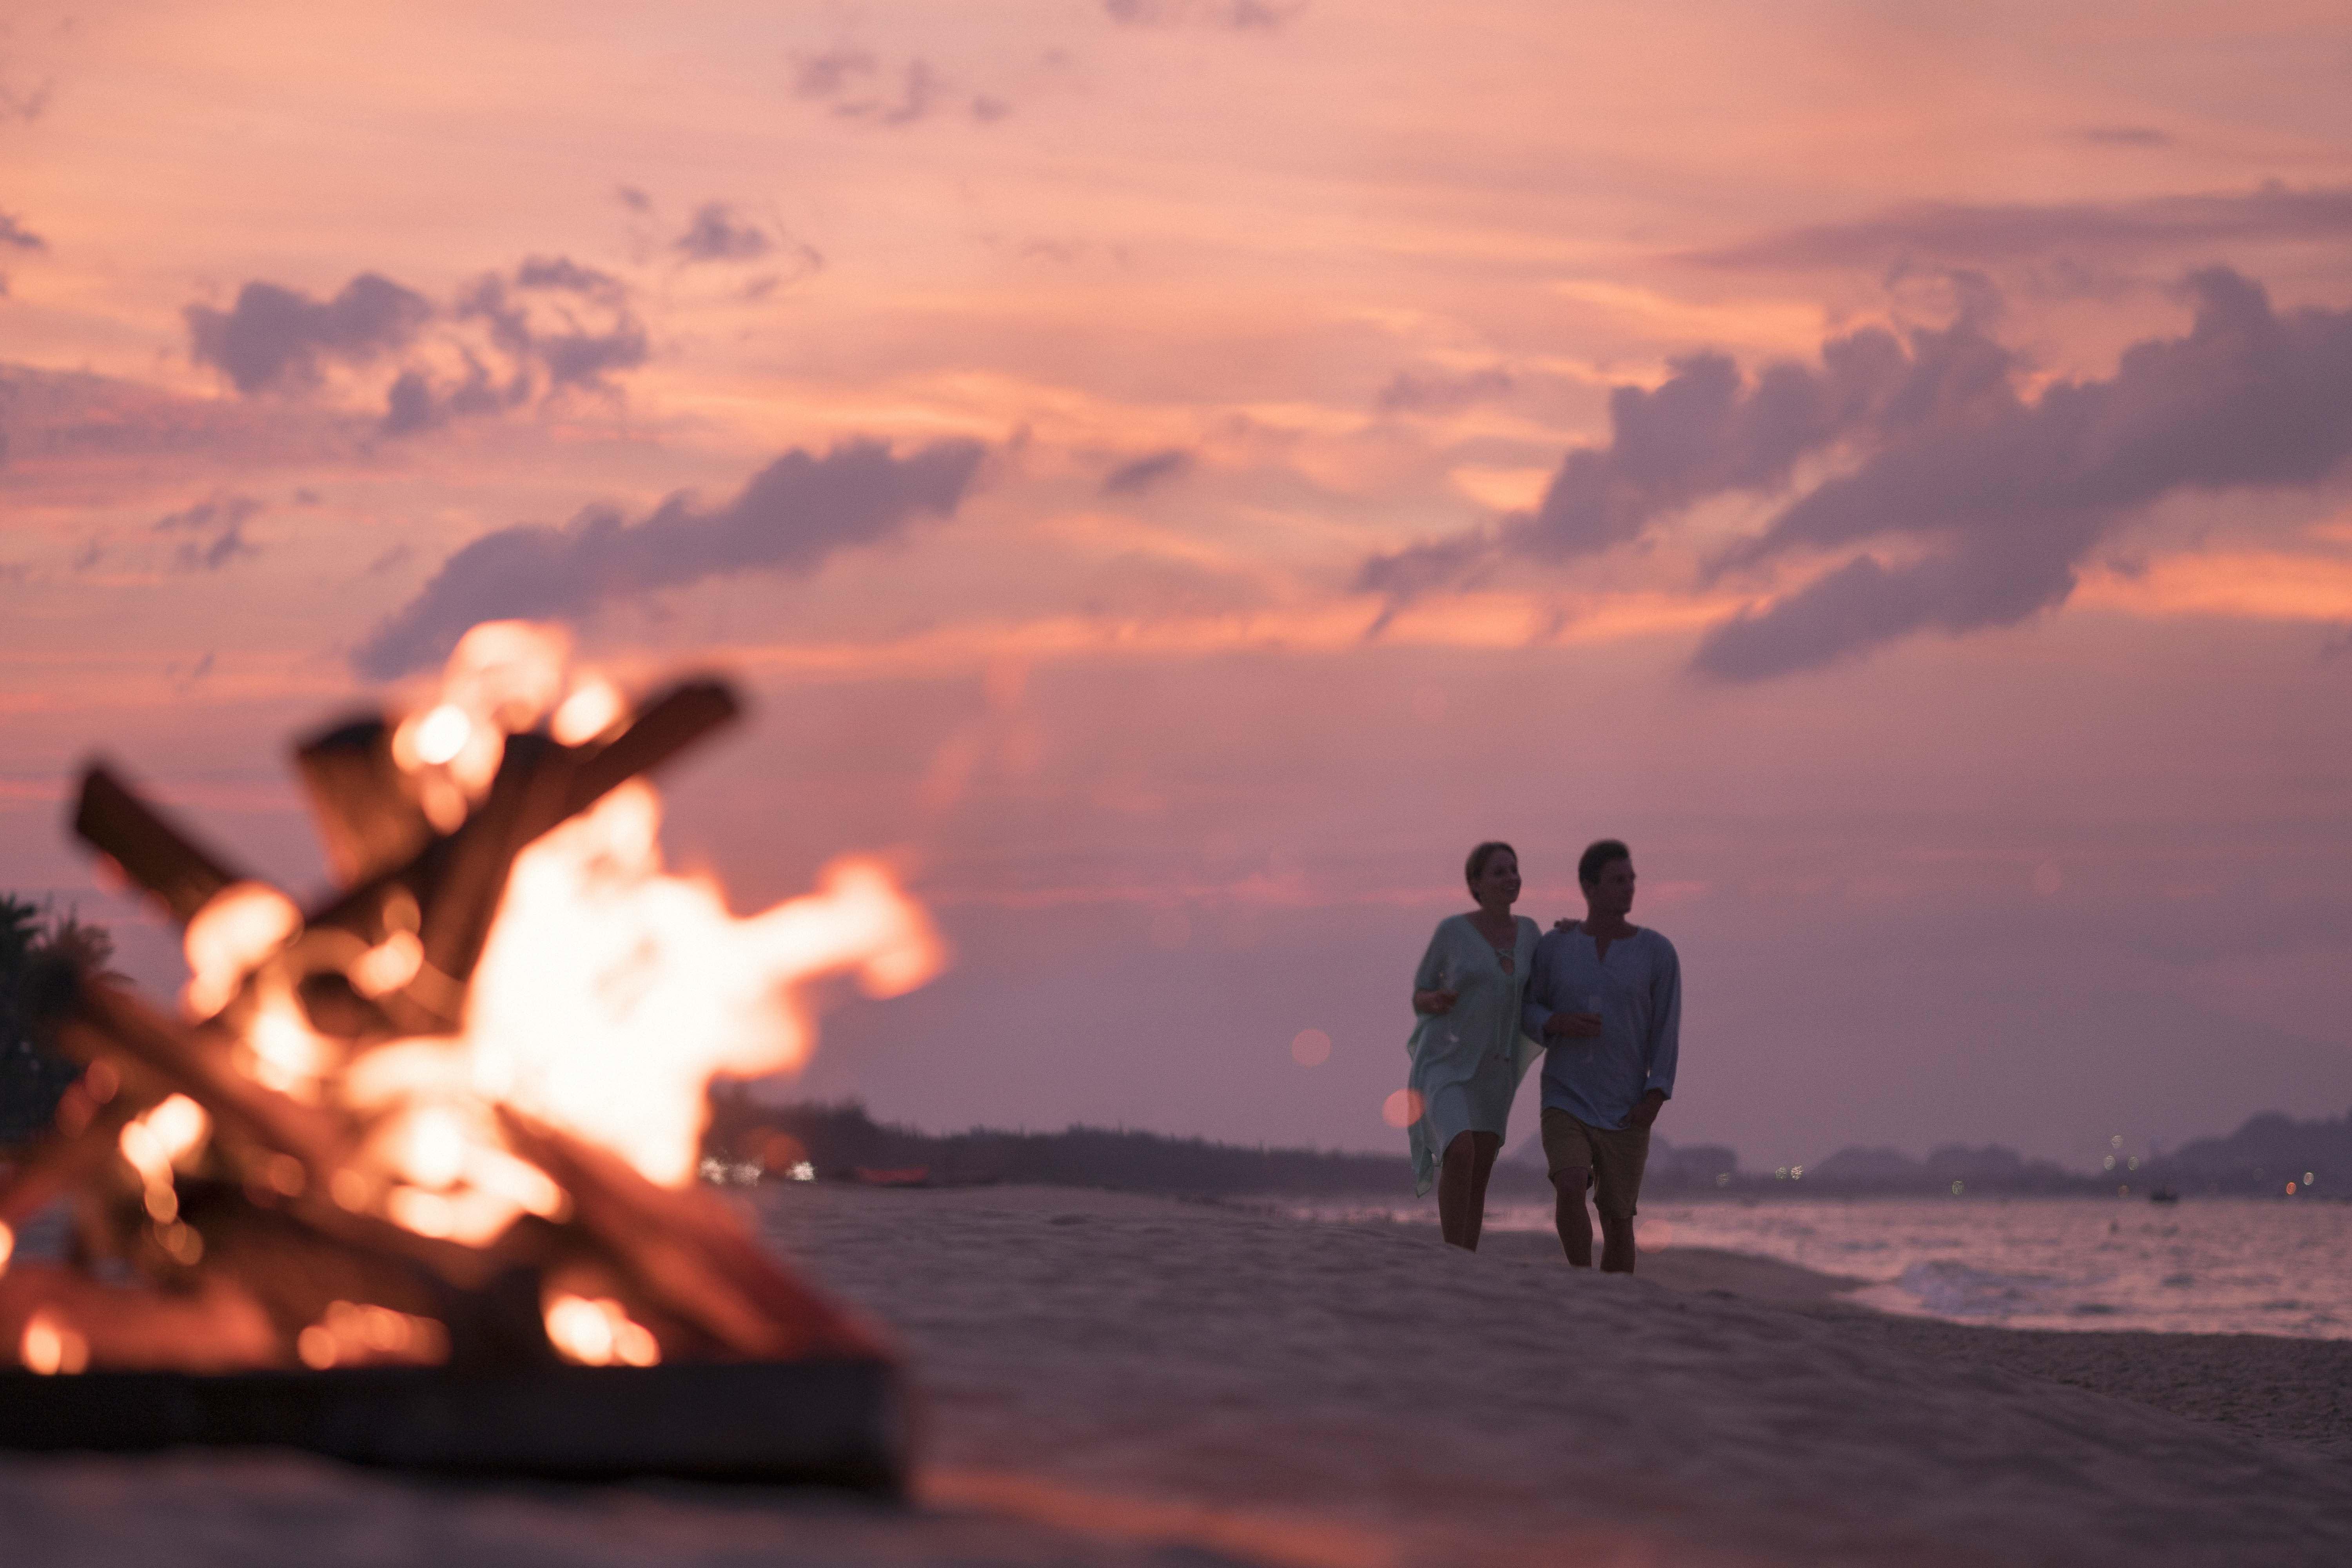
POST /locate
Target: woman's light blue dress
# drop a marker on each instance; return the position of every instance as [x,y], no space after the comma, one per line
[1467,1061]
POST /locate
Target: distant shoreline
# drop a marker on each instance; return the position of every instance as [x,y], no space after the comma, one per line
[836,1141]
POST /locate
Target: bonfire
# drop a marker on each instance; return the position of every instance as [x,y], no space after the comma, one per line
[412,1175]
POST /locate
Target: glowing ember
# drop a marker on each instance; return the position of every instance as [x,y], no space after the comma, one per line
[598,1332]
[351,1333]
[492,1052]
[49,1347]
[442,734]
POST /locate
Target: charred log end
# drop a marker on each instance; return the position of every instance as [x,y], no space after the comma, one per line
[152,851]
[368,817]
[667,725]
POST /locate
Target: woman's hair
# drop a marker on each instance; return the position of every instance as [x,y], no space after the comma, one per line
[1596,857]
[1480,856]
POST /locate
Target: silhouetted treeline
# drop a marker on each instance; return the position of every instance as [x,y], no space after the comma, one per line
[1988,1169]
[36,947]
[840,1139]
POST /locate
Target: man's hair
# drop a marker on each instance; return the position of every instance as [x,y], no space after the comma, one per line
[1480,856]
[1596,857]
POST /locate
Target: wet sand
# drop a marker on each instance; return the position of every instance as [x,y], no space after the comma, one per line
[2284,1390]
[1702,1269]
[1114,1380]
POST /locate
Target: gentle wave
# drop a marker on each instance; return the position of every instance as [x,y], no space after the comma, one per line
[1948,1289]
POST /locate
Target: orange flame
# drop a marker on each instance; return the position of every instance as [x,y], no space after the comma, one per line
[608,994]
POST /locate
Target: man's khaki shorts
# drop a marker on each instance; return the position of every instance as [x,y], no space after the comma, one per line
[1615,1158]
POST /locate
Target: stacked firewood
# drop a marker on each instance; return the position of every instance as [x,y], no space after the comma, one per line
[230,1211]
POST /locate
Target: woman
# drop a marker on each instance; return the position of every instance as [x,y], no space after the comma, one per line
[1468,1054]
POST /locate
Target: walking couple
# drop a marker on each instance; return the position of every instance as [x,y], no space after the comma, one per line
[1601,999]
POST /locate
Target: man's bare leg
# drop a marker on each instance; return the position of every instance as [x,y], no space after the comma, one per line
[1575,1224]
[1462,1186]
[1616,1246]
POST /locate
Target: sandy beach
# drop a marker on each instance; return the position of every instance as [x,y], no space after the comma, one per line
[2296,1391]
[1112,1379]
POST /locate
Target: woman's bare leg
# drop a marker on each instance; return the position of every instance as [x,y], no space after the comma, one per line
[1453,1192]
[1462,1186]
[1484,1147]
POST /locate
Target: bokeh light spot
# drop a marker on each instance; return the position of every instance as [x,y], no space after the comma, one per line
[442,734]
[1402,1109]
[1311,1048]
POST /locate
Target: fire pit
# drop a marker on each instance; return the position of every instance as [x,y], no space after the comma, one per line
[409,1178]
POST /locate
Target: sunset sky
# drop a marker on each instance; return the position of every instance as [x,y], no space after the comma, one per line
[1177,473]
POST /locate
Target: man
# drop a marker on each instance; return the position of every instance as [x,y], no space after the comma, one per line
[1605,997]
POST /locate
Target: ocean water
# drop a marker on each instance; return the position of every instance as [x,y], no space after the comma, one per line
[2208,1265]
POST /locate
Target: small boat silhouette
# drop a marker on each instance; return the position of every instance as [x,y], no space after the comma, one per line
[2163,1196]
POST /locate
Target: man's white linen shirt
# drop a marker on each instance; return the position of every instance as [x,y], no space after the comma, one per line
[1638,992]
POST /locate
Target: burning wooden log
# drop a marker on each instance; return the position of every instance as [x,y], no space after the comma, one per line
[147,847]
[411,1177]
[369,818]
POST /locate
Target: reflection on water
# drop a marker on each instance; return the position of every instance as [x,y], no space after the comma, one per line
[2251,1266]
